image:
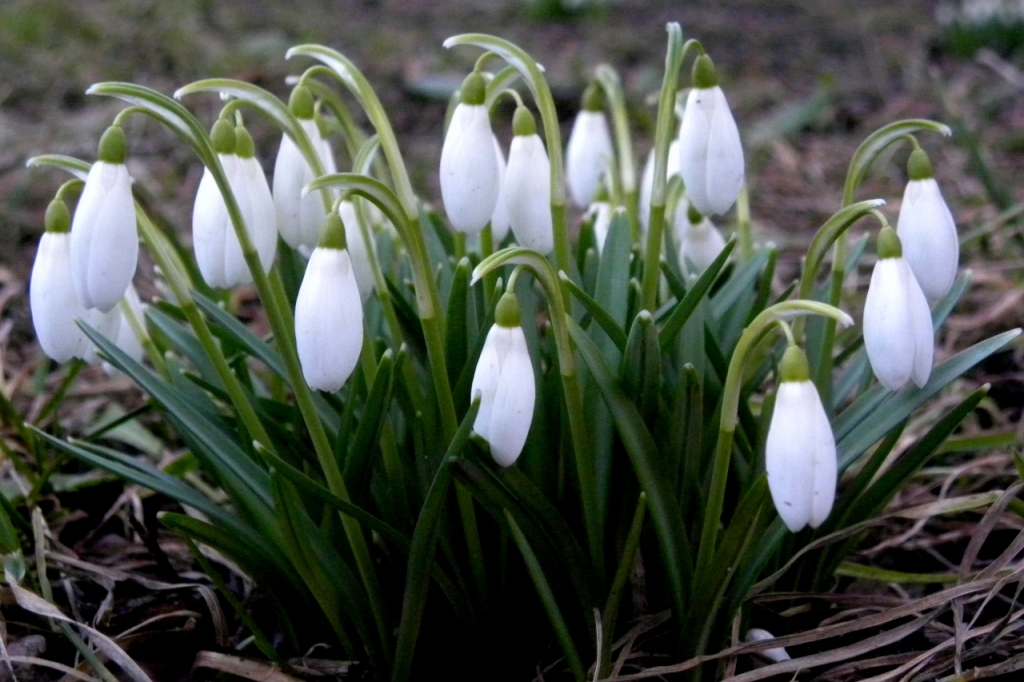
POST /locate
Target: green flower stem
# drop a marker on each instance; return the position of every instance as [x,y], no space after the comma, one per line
[486,249]
[754,332]
[663,132]
[549,281]
[138,328]
[744,228]
[534,79]
[500,83]
[616,99]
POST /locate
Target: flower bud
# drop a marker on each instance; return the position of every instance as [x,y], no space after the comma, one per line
[104,239]
[329,313]
[469,169]
[898,334]
[588,154]
[504,381]
[527,188]
[927,230]
[711,156]
[800,452]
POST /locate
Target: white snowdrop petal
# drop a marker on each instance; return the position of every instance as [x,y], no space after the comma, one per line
[587,155]
[888,336]
[602,212]
[108,324]
[693,148]
[104,239]
[928,233]
[253,195]
[485,381]
[52,299]
[357,249]
[209,226]
[469,170]
[699,244]
[777,654]
[789,454]
[528,193]
[499,218]
[514,402]
[825,467]
[126,338]
[725,157]
[328,320]
[920,326]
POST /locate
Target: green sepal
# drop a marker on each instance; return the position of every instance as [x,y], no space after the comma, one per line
[704,74]
[889,245]
[58,219]
[507,312]
[523,122]
[332,233]
[113,146]
[301,102]
[473,90]
[793,366]
[919,167]
[223,136]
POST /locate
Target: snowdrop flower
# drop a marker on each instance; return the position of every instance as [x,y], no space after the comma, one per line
[218,251]
[588,154]
[329,312]
[647,181]
[126,338]
[711,156]
[527,188]
[800,453]
[505,383]
[927,230]
[357,249]
[777,654]
[299,217]
[499,219]
[700,242]
[104,239]
[469,169]
[897,323]
[52,293]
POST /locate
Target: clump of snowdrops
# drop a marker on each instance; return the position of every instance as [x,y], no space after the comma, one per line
[468,419]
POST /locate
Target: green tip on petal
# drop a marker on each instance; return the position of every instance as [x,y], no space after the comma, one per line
[113,146]
[507,312]
[473,90]
[919,167]
[523,122]
[794,365]
[223,136]
[592,98]
[332,233]
[244,146]
[58,219]
[704,74]
[301,102]
[889,245]
[693,215]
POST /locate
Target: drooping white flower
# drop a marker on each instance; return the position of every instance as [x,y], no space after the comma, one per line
[469,169]
[52,299]
[647,181]
[527,188]
[299,217]
[700,242]
[499,219]
[104,239]
[588,154]
[218,252]
[898,332]
[927,230]
[329,313]
[504,380]
[357,249]
[108,324]
[800,452]
[777,654]
[711,156]
[127,340]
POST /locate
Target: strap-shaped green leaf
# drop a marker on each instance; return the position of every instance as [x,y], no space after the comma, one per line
[682,311]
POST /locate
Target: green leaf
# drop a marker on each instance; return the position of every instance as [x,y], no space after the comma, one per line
[456,319]
[228,326]
[607,324]
[648,464]
[682,311]
[365,443]
[76,167]
[640,370]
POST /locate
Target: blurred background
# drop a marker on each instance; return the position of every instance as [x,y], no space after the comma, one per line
[807,80]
